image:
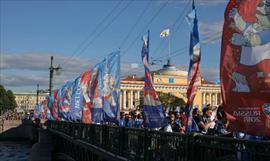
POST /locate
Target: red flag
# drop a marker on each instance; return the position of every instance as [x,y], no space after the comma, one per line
[245,65]
[55,109]
[85,85]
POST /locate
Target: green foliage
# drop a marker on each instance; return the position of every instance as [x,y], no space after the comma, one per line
[7,99]
[168,99]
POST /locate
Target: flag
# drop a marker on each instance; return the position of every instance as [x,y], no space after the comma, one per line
[96,93]
[75,113]
[37,111]
[50,107]
[245,66]
[110,73]
[154,115]
[44,109]
[165,33]
[55,108]
[194,77]
[64,100]
[85,87]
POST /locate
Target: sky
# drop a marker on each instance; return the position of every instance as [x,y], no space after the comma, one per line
[79,33]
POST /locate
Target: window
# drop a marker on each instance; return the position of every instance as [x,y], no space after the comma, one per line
[171,80]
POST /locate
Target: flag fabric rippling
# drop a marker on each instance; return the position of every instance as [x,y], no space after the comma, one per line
[85,87]
[154,115]
[194,75]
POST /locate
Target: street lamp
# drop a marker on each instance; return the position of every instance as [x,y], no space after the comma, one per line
[52,69]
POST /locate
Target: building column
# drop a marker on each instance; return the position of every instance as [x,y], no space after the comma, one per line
[138,97]
[124,100]
[216,98]
[210,98]
[121,100]
[204,98]
[131,100]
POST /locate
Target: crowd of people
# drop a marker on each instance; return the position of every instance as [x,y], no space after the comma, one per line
[12,115]
[210,121]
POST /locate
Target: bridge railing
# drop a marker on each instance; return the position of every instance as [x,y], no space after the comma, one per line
[147,145]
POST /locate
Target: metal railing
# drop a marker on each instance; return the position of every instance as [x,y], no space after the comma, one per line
[148,145]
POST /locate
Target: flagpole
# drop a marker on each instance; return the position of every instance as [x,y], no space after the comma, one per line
[169,47]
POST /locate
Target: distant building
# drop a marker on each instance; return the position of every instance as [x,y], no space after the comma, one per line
[27,101]
[171,80]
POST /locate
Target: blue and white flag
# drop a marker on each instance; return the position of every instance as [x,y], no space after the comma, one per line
[50,100]
[64,99]
[38,111]
[96,93]
[75,113]
[194,76]
[111,87]
[153,114]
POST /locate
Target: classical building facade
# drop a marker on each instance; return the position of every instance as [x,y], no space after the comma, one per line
[171,80]
[27,101]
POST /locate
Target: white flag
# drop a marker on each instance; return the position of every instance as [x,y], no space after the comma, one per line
[165,33]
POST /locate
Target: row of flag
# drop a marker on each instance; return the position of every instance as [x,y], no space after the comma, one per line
[91,97]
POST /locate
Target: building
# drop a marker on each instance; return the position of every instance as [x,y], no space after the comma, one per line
[171,80]
[27,101]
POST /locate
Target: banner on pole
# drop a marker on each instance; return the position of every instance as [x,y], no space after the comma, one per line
[245,65]
[153,113]
[194,73]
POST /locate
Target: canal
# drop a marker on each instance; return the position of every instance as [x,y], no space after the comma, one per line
[15,151]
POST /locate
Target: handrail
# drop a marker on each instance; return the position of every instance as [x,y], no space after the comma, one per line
[146,145]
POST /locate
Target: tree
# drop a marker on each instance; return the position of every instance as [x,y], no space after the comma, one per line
[7,99]
[168,99]
[12,101]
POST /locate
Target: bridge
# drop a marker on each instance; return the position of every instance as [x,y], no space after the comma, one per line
[67,141]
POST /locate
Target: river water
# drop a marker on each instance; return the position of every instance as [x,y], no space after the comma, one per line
[15,151]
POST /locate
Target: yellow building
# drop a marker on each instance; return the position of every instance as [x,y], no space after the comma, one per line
[171,80]
[27,101]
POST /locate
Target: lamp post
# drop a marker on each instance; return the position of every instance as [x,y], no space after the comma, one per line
[52,69]
[37,92]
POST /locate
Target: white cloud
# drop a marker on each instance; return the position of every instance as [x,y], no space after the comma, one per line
[41,62]
[210,32]
[211,74]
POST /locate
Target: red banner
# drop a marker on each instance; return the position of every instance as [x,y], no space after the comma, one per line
[85,85]
[245,66]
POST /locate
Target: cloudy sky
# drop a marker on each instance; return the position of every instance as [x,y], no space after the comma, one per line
[80,33]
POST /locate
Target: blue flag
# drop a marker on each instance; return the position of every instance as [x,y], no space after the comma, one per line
[96,93]
[64,99]
[154,115]
[110,73]
[75,113]
[50,100]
